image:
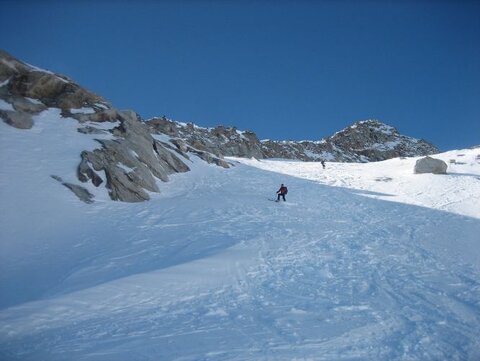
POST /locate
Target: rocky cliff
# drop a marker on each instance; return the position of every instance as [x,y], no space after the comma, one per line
[220,141]
[364,141]
[132,154]
[130,161]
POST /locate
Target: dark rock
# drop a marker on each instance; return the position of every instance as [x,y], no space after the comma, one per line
[220,141]
[85,173]
[83,194]
[99,116]
[210,158]
[52,90]
[18,120]
[27,106]
[91,130]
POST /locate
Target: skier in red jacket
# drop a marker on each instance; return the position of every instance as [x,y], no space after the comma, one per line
[281,192]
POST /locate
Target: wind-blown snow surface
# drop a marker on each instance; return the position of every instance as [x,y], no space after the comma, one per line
[212,270]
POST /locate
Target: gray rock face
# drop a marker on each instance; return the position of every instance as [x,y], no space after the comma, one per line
[375,141]
[31,90]
[430,165]
[54,90]
[26,105]
[82,194]
[21,109]
[219,142]
[365,141]
[132,160]
[18,120]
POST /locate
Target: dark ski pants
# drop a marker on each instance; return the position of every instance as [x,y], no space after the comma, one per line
[281,195]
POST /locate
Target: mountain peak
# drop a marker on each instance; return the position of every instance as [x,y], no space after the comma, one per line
[373,140]
[363,141]
[374,124]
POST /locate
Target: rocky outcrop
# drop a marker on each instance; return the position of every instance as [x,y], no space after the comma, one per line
[430,165]
[25,82]
[83,194]
[18,120]
[132,161]
[364,141]
[372,140]
[128,157]
[219,142]
[302,150]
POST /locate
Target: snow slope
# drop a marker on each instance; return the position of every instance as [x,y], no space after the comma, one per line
[393,179]
[211,270]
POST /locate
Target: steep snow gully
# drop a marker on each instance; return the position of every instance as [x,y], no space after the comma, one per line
[210,270]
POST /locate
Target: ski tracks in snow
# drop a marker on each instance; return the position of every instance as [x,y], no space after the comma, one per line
[226,275]
[369,292]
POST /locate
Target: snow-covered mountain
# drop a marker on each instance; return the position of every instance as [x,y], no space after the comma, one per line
[364,141]
[132,154]
[364,261]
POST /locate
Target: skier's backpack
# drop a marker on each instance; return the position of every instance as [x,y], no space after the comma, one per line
[285,191]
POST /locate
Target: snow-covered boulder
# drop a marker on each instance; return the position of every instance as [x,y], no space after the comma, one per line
[430,165]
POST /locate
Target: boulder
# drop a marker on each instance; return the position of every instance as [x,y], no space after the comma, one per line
[83,194]
[26,105]
[18,120]
[430,165]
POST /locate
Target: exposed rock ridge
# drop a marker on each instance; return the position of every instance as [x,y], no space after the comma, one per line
[364,141]
[371,140]
[220,141]
[128,160]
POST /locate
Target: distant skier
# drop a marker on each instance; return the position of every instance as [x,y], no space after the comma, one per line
[281,192]
[323,163]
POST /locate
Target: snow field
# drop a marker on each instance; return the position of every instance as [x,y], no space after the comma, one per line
[211,270]
[457,192]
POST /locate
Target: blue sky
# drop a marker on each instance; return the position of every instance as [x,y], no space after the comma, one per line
[284,69]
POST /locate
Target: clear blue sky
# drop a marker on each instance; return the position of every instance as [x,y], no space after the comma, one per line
[284,69]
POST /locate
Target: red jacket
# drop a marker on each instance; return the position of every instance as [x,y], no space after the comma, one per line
[283,190]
